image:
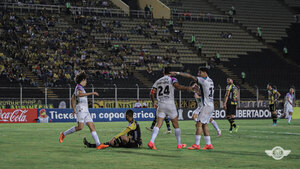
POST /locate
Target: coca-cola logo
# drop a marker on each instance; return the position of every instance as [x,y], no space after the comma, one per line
[17,115]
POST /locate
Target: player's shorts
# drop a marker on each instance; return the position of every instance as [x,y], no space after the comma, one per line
[272,107]
[231,110]
[83,115]
[165,109]
[197,111]
[205,114]
[288,108]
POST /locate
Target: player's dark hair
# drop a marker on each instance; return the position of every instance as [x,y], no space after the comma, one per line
[167,70]
[204,69]
[129,113]
[270,84]
[80,77]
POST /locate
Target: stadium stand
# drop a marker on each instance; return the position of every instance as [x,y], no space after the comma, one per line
[252,14]
[42,48]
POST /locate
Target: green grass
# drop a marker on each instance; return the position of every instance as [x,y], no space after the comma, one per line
[37,146]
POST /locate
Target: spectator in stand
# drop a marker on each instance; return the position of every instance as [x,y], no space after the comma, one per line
[193,40]
[259,33]
[285,51]
[199,49]
[150,11]
[68,8]
[171,25]
[147,10]
[137,104]
[144,104]
[218,58]
[233,10]
[243,74]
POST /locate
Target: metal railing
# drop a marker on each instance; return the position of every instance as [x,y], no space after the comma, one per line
[46,97]
[203,17]
[75,10]
[20,7]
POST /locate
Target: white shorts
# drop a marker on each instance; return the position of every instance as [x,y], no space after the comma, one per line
[197,111]
[288,108]
[165,109]
[83,115]
[205,114]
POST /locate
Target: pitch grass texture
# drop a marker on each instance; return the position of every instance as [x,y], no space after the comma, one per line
[36,146]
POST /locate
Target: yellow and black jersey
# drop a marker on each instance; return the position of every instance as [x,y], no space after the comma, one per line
[233,94]
[272,96]
[132,130]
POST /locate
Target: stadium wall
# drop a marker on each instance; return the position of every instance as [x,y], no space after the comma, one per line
[121,5]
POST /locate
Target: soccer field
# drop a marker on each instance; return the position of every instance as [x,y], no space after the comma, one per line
[36,146]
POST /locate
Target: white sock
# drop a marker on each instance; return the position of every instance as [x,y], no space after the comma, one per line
[197,139]
[95,137]
[290,118]
[69,131]
[214,123]
[207,140]
[154,134]
[178,135]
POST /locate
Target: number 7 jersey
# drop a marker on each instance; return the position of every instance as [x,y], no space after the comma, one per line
[165,89]
[207,90]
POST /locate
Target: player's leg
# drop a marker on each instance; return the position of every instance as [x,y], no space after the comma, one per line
[93,132]
[168,125]
[228,117]
[155,131]
[290,110]
[215,124]
[197,136]
[153,124]
[206,137]
[274,115]
[90,124]
[70,131]
[120,142]
[177,132]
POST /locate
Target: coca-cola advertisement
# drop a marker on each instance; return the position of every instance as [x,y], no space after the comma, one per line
[18,115]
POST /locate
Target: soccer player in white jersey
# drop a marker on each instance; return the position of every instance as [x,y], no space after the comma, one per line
[82,112]
[197,96]
[207,92]
[288,104]
[164,90]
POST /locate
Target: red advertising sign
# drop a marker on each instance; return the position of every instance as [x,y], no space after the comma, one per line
[18,115]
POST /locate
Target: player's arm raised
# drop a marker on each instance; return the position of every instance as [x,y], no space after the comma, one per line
[186,75]
[180,87]
[152,96]
[80,94]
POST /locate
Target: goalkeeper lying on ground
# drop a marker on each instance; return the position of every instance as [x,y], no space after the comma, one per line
[132,140]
